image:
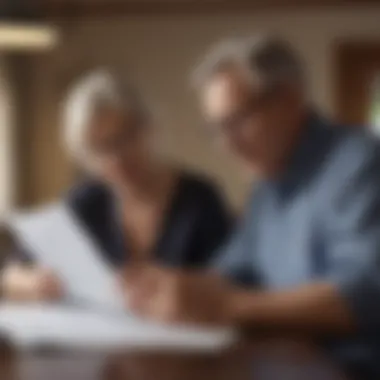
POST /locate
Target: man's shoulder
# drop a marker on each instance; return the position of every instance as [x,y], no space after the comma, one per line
[358,140]
[353,149]
[352,165]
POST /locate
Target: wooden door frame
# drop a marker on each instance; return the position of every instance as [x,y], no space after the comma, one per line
[363,55]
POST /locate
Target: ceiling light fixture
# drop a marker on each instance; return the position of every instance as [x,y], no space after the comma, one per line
[22,28]
[17,35]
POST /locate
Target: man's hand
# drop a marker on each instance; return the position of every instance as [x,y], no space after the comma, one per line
[173,296]
[201,297]
[21,283]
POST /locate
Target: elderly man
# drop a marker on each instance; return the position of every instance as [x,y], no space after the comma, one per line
[306,257]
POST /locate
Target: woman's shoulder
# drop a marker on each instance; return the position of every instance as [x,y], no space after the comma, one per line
[200,187]
[198,182]
[87,194]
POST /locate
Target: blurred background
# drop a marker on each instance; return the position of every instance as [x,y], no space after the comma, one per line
[45,45]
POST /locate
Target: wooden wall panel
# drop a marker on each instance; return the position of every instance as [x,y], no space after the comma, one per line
[94,8]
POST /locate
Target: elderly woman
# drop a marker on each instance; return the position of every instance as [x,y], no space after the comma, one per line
[134,205]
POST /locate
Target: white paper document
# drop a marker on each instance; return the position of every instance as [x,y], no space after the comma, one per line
[56,240]
[43,326]
[93,315]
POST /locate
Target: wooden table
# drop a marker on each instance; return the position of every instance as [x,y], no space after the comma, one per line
[236,364]
[232,365]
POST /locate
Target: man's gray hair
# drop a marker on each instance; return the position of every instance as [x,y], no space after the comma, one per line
[269,60]
[95,91]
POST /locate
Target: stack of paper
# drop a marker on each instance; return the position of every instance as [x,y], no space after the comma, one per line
[64,328]
[93,315]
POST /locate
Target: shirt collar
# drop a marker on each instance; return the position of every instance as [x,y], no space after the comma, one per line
[307,155]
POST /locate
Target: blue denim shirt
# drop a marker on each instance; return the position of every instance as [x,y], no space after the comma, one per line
[320,221]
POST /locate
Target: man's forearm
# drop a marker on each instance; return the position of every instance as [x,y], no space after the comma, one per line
[314,308]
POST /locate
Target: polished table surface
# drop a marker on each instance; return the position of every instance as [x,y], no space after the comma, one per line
[231,365]
[243,362]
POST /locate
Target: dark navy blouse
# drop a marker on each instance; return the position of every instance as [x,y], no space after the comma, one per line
[196,223]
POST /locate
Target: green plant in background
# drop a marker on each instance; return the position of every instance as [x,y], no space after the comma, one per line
[374,110]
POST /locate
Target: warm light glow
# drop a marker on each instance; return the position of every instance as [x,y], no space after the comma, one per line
[17,36]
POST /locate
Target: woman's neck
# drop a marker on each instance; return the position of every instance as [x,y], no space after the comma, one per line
[151,186]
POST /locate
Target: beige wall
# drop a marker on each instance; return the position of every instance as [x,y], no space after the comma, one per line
[158,52]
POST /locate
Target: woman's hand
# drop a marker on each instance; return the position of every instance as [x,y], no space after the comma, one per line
[21,283]
[172,296]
